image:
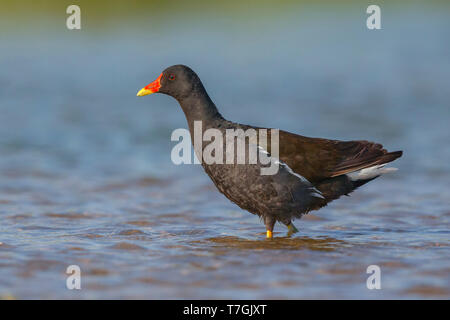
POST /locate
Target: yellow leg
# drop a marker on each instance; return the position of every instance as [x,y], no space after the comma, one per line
[269,221]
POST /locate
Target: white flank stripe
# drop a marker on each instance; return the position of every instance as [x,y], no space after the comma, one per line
[314,192]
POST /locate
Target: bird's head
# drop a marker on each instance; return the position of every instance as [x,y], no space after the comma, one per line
[178,81]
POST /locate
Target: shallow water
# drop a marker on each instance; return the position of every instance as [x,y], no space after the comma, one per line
[86,177]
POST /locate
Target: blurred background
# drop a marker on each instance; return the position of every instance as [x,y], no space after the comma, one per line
[85,170]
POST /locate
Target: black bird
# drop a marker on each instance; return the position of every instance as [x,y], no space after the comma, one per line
[311,173]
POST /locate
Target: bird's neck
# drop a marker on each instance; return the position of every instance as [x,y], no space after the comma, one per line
[198,106]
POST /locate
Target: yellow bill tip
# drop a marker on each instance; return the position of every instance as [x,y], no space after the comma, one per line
[144,92]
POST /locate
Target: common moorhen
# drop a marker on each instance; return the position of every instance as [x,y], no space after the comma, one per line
[312,171]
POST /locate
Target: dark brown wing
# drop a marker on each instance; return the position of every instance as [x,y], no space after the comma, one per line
[318,159]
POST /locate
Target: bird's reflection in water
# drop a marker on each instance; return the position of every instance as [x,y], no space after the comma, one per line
[280,243]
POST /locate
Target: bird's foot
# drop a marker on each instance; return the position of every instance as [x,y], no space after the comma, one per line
[291,229]
[269,234]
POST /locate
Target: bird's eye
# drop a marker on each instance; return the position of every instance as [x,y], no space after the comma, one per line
[171,77]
